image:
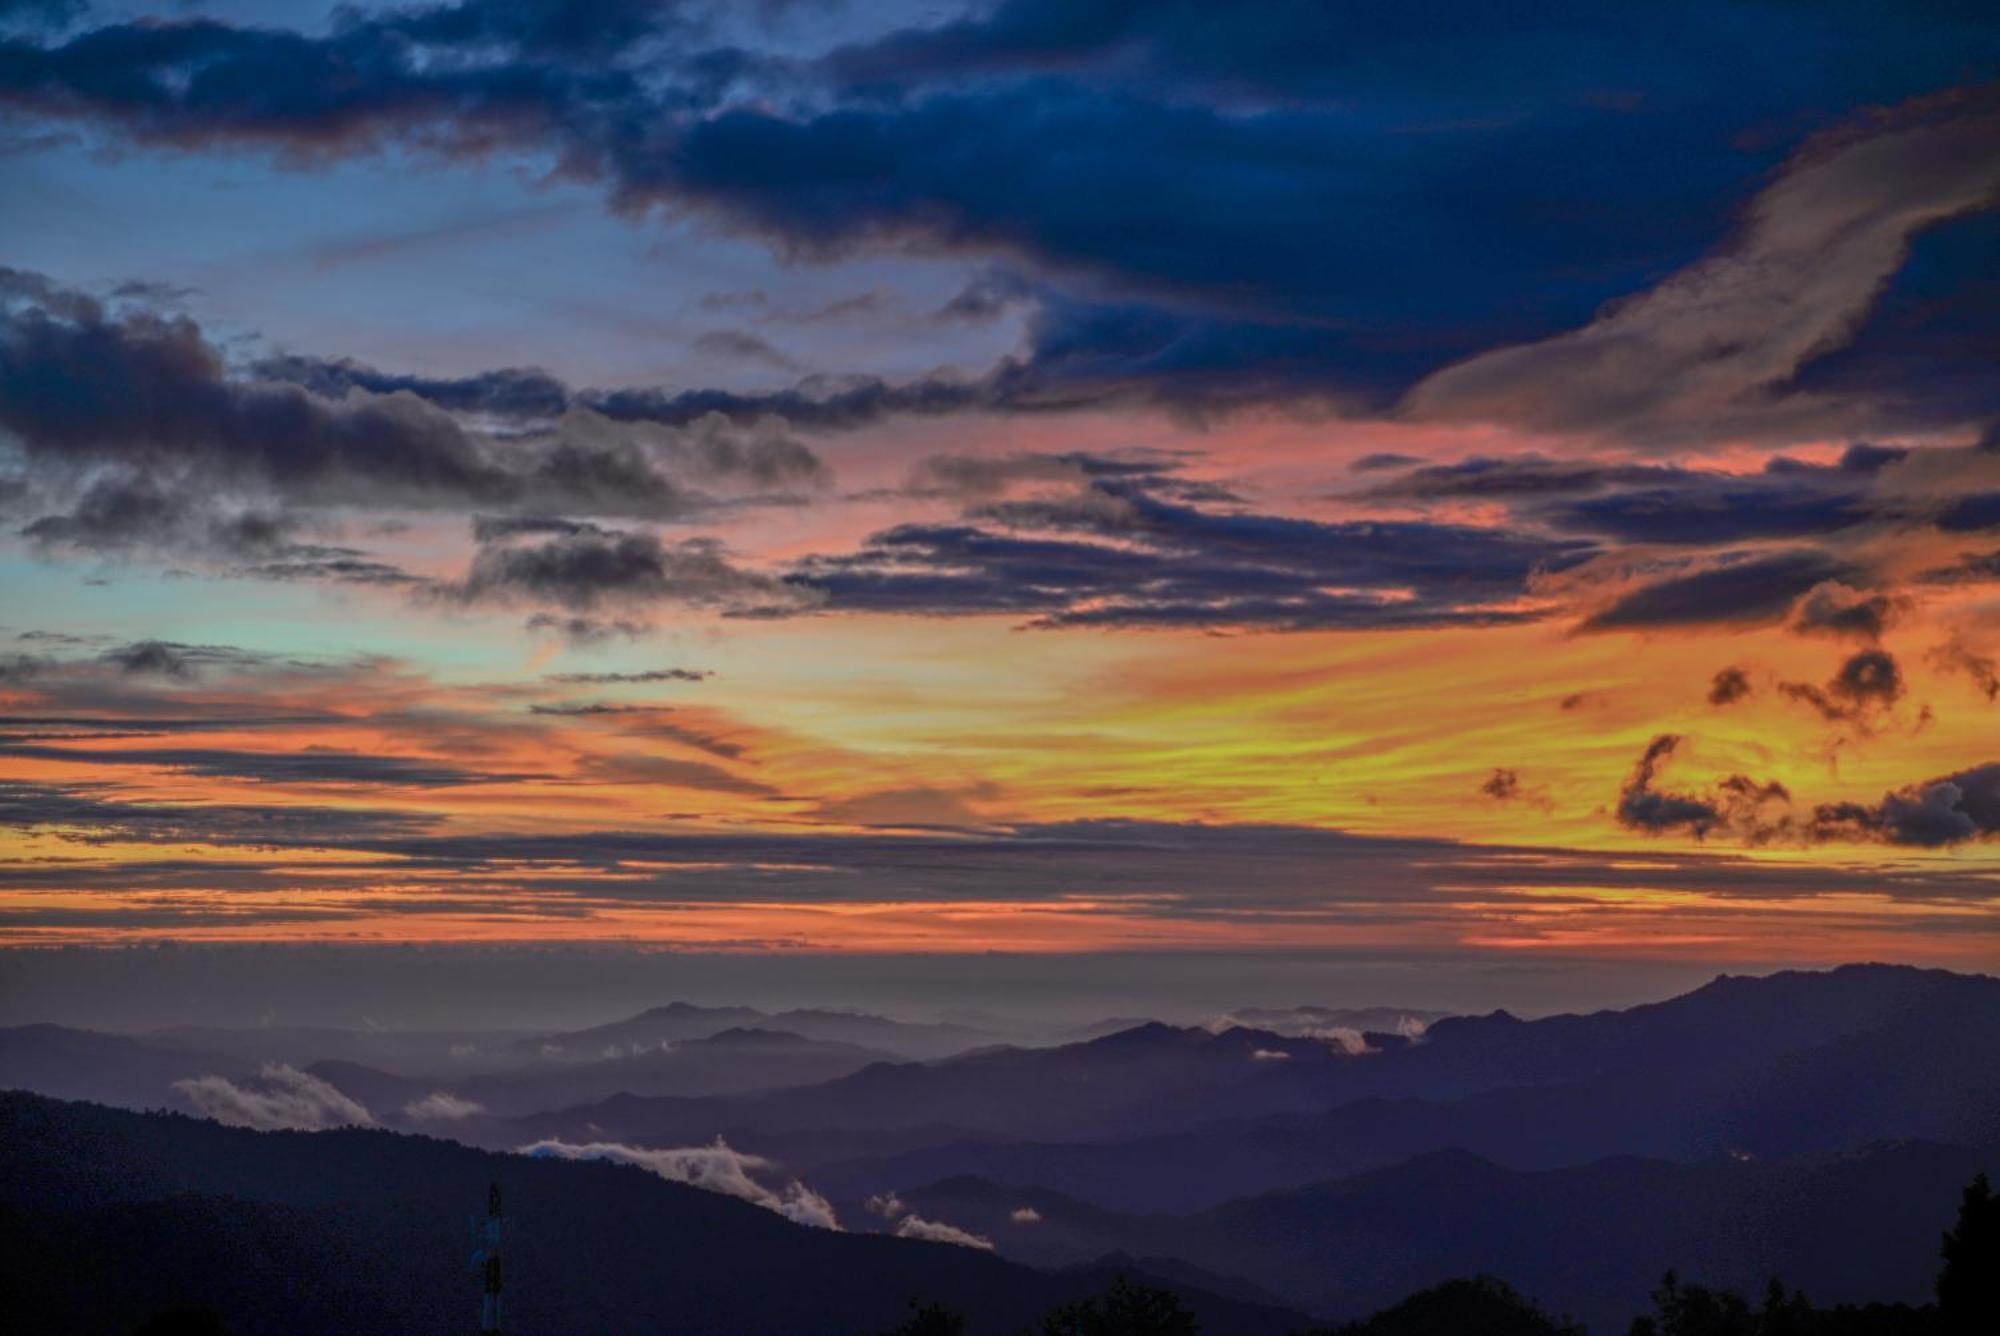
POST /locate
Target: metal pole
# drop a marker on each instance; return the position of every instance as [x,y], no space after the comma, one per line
[486,1257]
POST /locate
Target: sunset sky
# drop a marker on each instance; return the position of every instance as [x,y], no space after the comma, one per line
[1036,476]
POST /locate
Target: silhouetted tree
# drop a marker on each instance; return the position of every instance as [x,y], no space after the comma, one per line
[1123,1310]
[1968,1290]
[1968,1286]
[931,1319]
[1480,1306]
[1786,1314]
[1690,1310]
[189,1321]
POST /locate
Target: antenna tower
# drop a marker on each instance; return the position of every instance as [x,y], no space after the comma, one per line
[486,1259]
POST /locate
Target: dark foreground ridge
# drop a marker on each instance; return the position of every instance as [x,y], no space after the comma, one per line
[108,1218]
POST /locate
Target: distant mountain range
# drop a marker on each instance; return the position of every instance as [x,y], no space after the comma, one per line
[108,1068]
[1149,1078]
[1784,1066]
[1752,1125]
[679,1049]
[681,1021]
[1591,1240]
[731,1062]
[1162,1118]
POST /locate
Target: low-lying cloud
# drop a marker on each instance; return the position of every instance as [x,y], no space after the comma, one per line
[713,1168]
[937,1231]
[910,1225]
[442,1106]
[282,1098]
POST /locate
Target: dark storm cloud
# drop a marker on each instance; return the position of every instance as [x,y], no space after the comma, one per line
[53,13]
[658,724]
[312,765]
[91,813]
[822,403]
[166,658]
[83,387]
[1937,813]
[704,866]
[1870,676]
[1478,562]
[1728,686]
[511,392]
[142,725]
[1934,814]
[741,345]
[1642,806]
[724,434]
[115,513]
[1970,568]
[1955,656]
[1085,351]
[1238,207]
[354,570]
[592,710]
[1382,461]
[587,632]
[589,569]
[363,83]
[1221,177]
[141,687]
[814,403]
[127,512]
[1867,683]
[1510,477]
[1204,871]
[1928,350]
[23,667]
[1287,212]
[1726,513]
[1505,786]
[987,297]
[646,721]
[979,477]
[151,657]
[1836,610]
[491,528]
[616,679]
[596,29]
[1115,553]
[1478,54]
[1697,356]
[1736,803]
[65,639]
[1747,590]
[1860,457]
[1657,503]
[1284,203]
[1185,872]
[761,452]
[1260,866]
[1972,514]
[669,772]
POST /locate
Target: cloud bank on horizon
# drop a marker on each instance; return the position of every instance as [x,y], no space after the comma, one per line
[1035,476]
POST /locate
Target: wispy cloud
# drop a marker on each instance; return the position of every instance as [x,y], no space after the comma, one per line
[713,1168]
[281,1098]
